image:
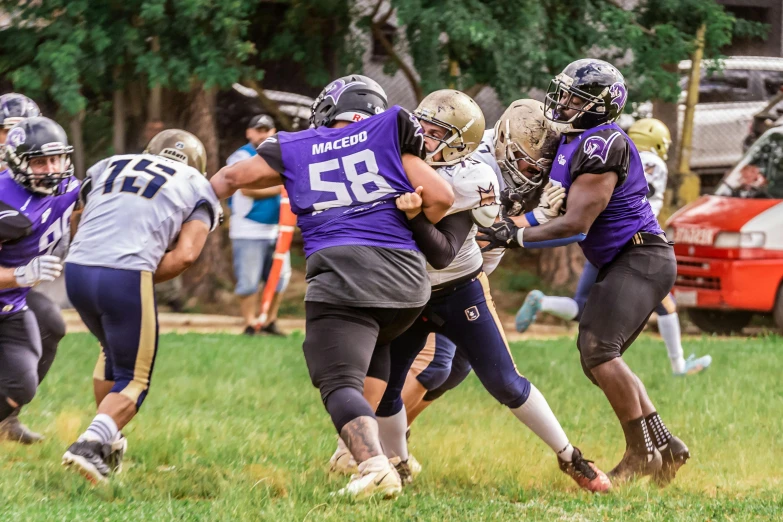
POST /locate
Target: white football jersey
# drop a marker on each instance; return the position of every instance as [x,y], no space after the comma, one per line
[475,185]
[135,209]
[657,173]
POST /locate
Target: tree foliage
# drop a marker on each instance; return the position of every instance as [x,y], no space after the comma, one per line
[69,48]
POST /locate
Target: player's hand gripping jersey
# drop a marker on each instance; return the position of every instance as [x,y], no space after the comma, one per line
[136,205]
[31,225]
[342,182]
[602,149]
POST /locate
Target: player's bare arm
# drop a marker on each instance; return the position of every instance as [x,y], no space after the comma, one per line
[191,242]
[252,173]
[437,195]
[262,193]
[587,198]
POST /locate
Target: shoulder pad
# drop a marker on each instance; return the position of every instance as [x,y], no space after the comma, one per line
[13,224]
[475,185]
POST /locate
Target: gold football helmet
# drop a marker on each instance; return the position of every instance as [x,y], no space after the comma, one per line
[179,145]
[651,135]
[522,132]
[462,119]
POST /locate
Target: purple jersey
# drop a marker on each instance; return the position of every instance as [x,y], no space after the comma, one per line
[49,219]
[595,151]
[342,183]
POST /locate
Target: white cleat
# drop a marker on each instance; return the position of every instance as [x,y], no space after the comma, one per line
[376,476]
[414,466]
[118,449]
[342,462]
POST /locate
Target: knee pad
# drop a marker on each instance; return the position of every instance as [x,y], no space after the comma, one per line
[593,350]
[433,376]
[23,390]
[512,394]
[460,369]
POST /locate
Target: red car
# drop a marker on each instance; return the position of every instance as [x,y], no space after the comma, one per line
[729,246]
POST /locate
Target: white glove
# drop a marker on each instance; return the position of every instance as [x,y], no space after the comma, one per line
[41,268]
[552,199]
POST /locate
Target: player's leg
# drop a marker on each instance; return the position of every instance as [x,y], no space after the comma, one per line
[460,369]
[562,307]
[338,346]
[429,371]
[669,328]
[20,351]
[52,328]
[248,267]
[617,309]
[475,327]
[124,303]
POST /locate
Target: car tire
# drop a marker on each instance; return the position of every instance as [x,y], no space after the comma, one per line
[778,311]
[720,322]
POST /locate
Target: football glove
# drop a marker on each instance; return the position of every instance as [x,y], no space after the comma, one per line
[502,234]
[512,202]
[551,203]
[41,268]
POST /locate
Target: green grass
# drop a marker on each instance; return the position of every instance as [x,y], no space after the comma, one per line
[233,430]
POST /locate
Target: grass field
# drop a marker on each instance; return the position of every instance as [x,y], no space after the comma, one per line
[233,430]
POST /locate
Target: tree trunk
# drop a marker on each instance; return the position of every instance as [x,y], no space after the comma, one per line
[560,268]
[119,121]
[212,272]
[77,142]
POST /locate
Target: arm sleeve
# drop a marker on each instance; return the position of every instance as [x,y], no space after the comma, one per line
[604,151]
[270,151]
[410,134]
[201,213]
[13,224]
[440,243]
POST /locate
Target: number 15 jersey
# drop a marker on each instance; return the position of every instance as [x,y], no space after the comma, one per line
[136,205]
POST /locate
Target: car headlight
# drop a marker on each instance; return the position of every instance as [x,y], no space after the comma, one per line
[740,240]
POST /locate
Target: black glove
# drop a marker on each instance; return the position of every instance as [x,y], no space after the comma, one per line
[502,234]
[512,202]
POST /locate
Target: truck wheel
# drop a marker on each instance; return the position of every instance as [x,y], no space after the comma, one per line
[721,322]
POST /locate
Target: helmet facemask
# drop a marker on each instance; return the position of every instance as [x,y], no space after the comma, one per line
[452,139]
[560,95]
[45,183]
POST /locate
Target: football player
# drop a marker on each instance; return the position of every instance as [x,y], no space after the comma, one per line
[601,169]
[367,276]
[652,140]
[38,194]
[13,109]
[461,306]
[521,130]
[146,218]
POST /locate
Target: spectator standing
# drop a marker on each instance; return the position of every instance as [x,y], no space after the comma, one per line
[253,230]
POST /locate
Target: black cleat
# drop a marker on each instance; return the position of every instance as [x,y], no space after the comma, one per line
[272,329]
[674,456]
[636,465]
[91,459]
[249,330]
[13,430]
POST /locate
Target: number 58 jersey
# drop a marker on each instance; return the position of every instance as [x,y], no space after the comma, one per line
[136,205]
[342,183]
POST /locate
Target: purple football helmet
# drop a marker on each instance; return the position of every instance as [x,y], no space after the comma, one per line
[598,83]
[350,98]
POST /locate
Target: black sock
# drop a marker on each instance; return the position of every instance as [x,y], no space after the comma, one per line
[658,431]
[637,437]
[5,409]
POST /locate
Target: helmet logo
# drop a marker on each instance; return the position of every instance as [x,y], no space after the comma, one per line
[337,88]
[618,94]
[179,145]
[16,137]
[597,147]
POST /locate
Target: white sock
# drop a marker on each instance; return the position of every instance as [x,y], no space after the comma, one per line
[103,429]
[562,307]
[391,431]
[538,416]
[669,326]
